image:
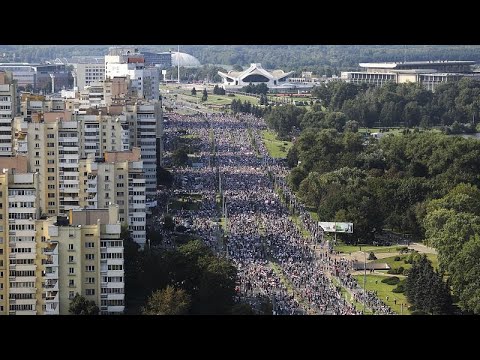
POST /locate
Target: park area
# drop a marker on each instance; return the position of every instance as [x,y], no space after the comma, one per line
[388,284]
[276,148]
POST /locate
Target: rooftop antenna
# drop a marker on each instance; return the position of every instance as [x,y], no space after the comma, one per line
[178,64]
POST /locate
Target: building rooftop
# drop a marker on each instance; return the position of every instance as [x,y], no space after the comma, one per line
[393,65]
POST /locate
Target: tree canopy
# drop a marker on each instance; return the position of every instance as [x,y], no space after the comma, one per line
[79,305]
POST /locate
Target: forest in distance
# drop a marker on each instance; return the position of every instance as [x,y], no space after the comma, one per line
[321,59]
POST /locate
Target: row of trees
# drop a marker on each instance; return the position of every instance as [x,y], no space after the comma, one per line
[424,184]
[217,90]
[260,89]
[406,104]
[381,184]
[237,106]
[321,59]
[190,280]
[345,107]
[452,225]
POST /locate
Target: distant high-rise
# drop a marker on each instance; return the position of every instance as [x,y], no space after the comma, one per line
[8,106]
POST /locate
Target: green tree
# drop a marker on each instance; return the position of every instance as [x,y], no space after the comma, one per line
[168,223]
[81,306]
[204,95]
[426,290]
[168,301]
[180,157]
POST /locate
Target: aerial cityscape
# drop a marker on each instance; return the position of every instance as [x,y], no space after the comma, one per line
[239,180]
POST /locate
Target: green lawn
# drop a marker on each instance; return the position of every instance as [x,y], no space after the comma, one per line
[314,215]
[346,295]
[396,264]
[299,225]
[376,249]
[374,283]
[276,148]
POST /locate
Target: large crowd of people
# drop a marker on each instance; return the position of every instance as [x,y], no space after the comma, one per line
[239,181]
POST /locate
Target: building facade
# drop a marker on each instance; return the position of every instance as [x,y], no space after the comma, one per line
[8,107]
[255,74]
[117,178]
[427,73]
[88,73]
[146,125]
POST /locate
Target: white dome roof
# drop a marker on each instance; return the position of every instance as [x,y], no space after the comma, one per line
[186,60]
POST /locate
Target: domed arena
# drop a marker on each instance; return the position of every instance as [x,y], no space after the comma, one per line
[185,60]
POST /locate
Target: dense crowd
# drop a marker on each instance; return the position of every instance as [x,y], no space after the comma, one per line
[261,239]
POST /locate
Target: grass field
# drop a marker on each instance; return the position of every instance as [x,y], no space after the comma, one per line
[376,249]
[299,225]
[396,264]
[374,283]
[276,148]
[346,295]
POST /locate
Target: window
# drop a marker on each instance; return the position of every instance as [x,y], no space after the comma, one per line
[90,292]
[51,161]
[71,295]
[51,195]
[51,178]
[89,268]
[115,267]
[71,283]
[71,270]
[51,170]
[89,245]
[90,280]
[70,259]
[50,136]
[70,247]
[89,256]
[51,187]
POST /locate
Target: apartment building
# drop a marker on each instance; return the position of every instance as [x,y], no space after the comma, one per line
[88,73]
[20,263]
[44,262]
[116,178]
[146,126]
[8,107]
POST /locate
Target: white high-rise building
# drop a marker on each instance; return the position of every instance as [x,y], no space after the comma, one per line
[145,123]
[144,80]
[8,94]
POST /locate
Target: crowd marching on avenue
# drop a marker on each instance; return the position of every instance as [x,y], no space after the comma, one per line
[239,182]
